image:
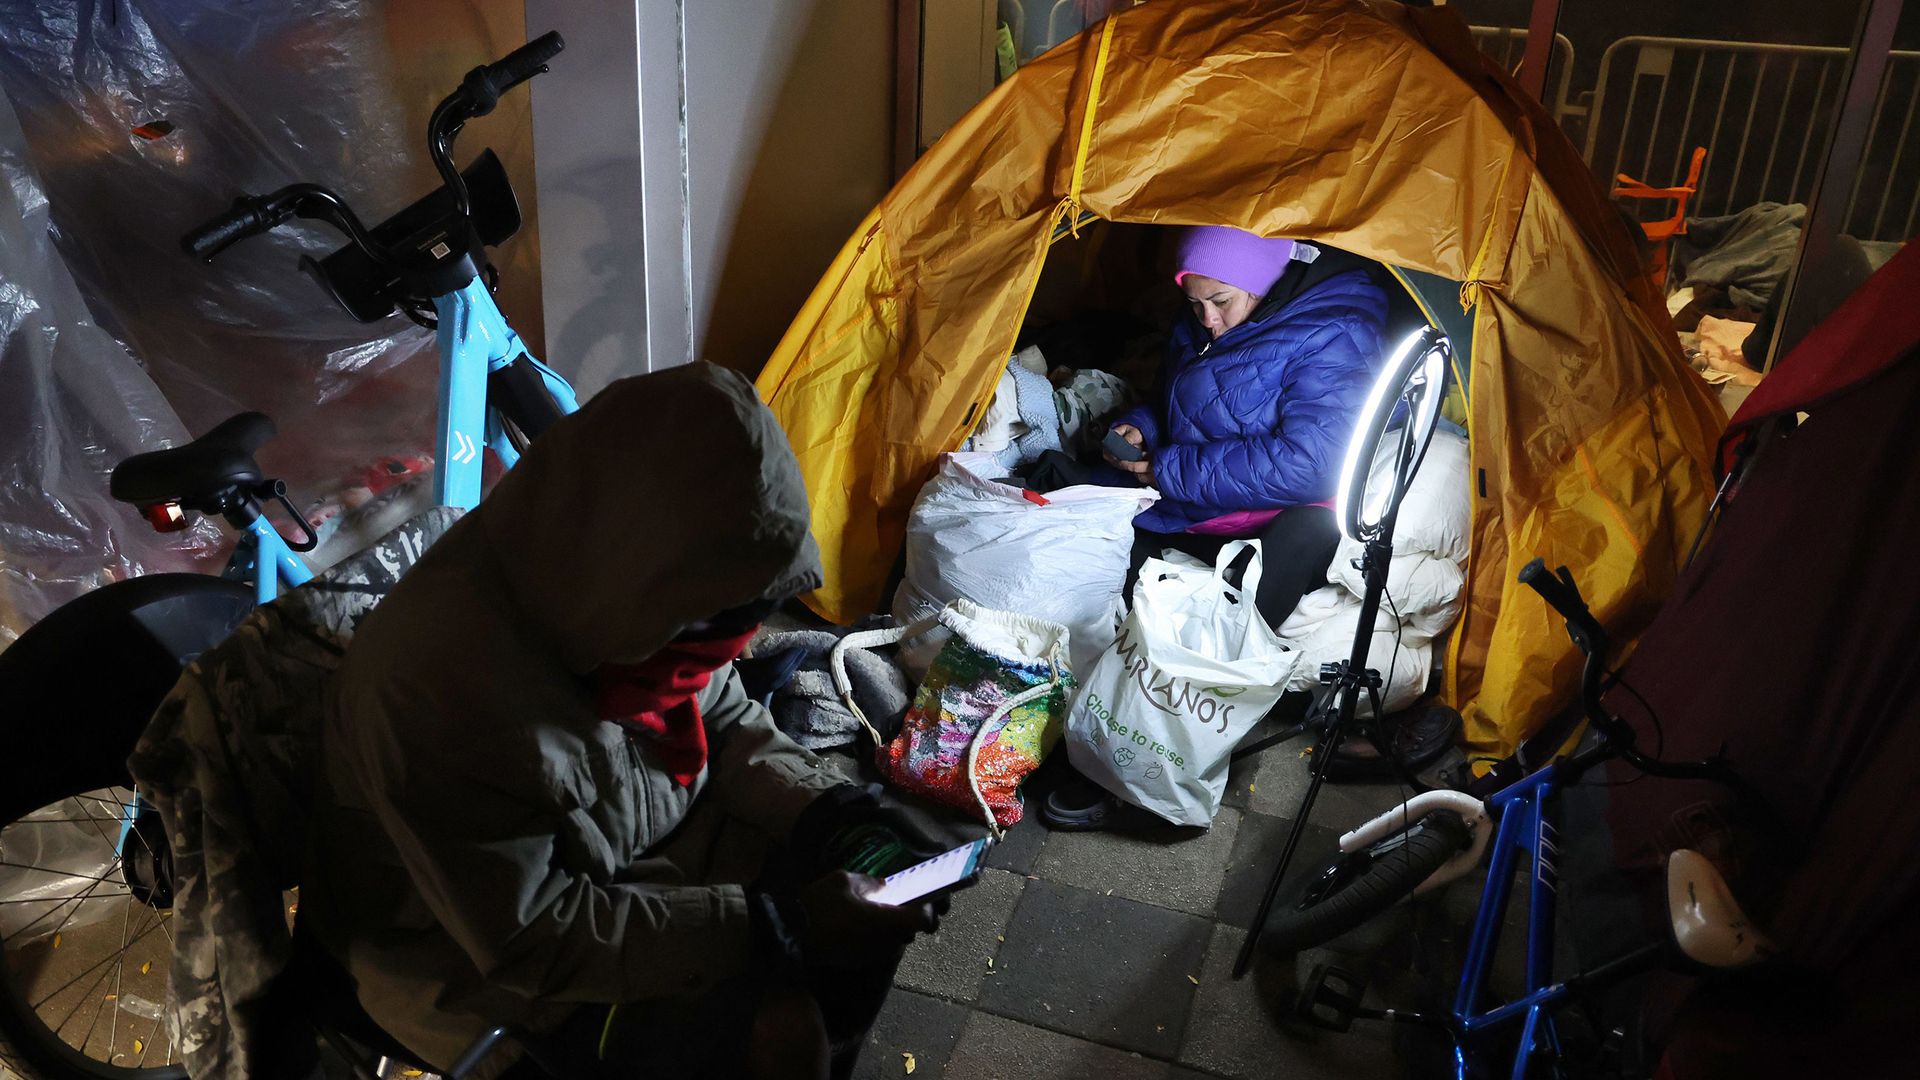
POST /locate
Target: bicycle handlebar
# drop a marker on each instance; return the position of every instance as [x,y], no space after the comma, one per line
[252,215]
[216,235]
[1617,736]
[1558,591]
[479,92]
[524,62]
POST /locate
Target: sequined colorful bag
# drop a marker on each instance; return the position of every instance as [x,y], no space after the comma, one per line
[990,708]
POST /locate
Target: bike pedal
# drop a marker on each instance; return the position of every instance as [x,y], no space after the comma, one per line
[1330,1000]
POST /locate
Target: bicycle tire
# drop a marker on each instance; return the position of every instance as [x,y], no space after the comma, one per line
[67,733]
[1390,878]
[32,1046]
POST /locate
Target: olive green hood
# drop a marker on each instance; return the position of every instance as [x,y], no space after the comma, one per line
[668,498]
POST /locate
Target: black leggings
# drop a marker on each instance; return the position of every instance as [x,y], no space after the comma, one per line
[1295,548]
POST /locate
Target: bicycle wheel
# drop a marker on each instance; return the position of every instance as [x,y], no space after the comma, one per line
[1357,885]
[85,949]
[85,882]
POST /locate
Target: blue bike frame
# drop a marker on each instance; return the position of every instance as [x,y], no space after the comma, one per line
[274,562]
[475,341]
[1525,830]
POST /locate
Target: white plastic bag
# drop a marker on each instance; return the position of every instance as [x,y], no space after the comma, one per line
[1194,668]
[1061,556]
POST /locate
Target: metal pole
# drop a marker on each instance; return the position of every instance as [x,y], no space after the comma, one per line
[907,48]
[1379,552]
[1539,54]
[1353,680]
[1839,167]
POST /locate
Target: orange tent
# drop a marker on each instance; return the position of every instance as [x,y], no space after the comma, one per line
[1370,126]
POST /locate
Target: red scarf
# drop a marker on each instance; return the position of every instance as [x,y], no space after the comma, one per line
[655,699]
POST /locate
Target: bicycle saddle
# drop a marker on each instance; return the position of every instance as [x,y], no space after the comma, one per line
[216,462]
[1707,922]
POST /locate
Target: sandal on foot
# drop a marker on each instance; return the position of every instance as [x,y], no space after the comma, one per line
[1063,814]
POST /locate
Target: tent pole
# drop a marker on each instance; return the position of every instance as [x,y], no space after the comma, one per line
[1539,55]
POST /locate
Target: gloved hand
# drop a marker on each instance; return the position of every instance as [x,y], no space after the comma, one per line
[852,828]
[843,928]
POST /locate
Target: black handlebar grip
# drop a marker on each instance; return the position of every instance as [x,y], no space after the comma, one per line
[211,238]
[526,61]
[1555,590]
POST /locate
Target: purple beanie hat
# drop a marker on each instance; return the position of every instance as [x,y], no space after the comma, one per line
[1231,255]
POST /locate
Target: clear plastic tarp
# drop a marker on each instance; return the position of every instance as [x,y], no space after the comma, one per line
[131,122]
[60,871]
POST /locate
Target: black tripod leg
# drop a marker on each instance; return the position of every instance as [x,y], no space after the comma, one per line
[1322,755]
[1265,741]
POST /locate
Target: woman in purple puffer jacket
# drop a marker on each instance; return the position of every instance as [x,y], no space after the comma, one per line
[1261,389]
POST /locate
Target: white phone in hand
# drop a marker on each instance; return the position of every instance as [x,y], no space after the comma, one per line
[951,870]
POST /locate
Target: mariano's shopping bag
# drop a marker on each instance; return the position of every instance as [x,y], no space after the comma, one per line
[1194,669]
[990,707]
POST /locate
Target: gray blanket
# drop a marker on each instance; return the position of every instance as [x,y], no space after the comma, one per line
[1747,254]
[808,709]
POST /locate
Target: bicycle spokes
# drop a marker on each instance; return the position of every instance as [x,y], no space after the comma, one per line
[85,941]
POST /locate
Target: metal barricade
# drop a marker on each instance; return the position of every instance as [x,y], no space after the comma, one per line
[1758,109]
[1507,45]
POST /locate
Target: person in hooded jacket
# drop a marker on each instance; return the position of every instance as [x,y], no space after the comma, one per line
[1263,384]
[546,802]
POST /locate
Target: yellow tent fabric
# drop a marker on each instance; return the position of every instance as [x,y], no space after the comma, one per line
[1371,126]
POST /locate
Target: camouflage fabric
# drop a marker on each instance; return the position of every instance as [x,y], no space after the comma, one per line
[228,761]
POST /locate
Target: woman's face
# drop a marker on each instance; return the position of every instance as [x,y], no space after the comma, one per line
[1219,306]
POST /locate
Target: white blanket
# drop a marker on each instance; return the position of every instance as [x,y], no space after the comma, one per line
[1424,584]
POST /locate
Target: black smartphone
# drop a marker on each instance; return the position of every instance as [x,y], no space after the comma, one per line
[1117,445]
[947,872]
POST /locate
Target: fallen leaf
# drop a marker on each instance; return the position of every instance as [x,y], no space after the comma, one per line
[989,961]
[138,1046]
[146,967]
[1249,789]
[1002,937]
[111,997]
[1193,980]
[908,1062]
[56,941]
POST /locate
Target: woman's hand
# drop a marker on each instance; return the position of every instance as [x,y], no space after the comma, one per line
[1142,470]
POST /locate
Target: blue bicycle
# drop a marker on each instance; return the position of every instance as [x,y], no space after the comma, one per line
[1438,836]
[85,871]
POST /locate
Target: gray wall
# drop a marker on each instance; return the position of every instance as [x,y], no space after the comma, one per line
[699,165]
